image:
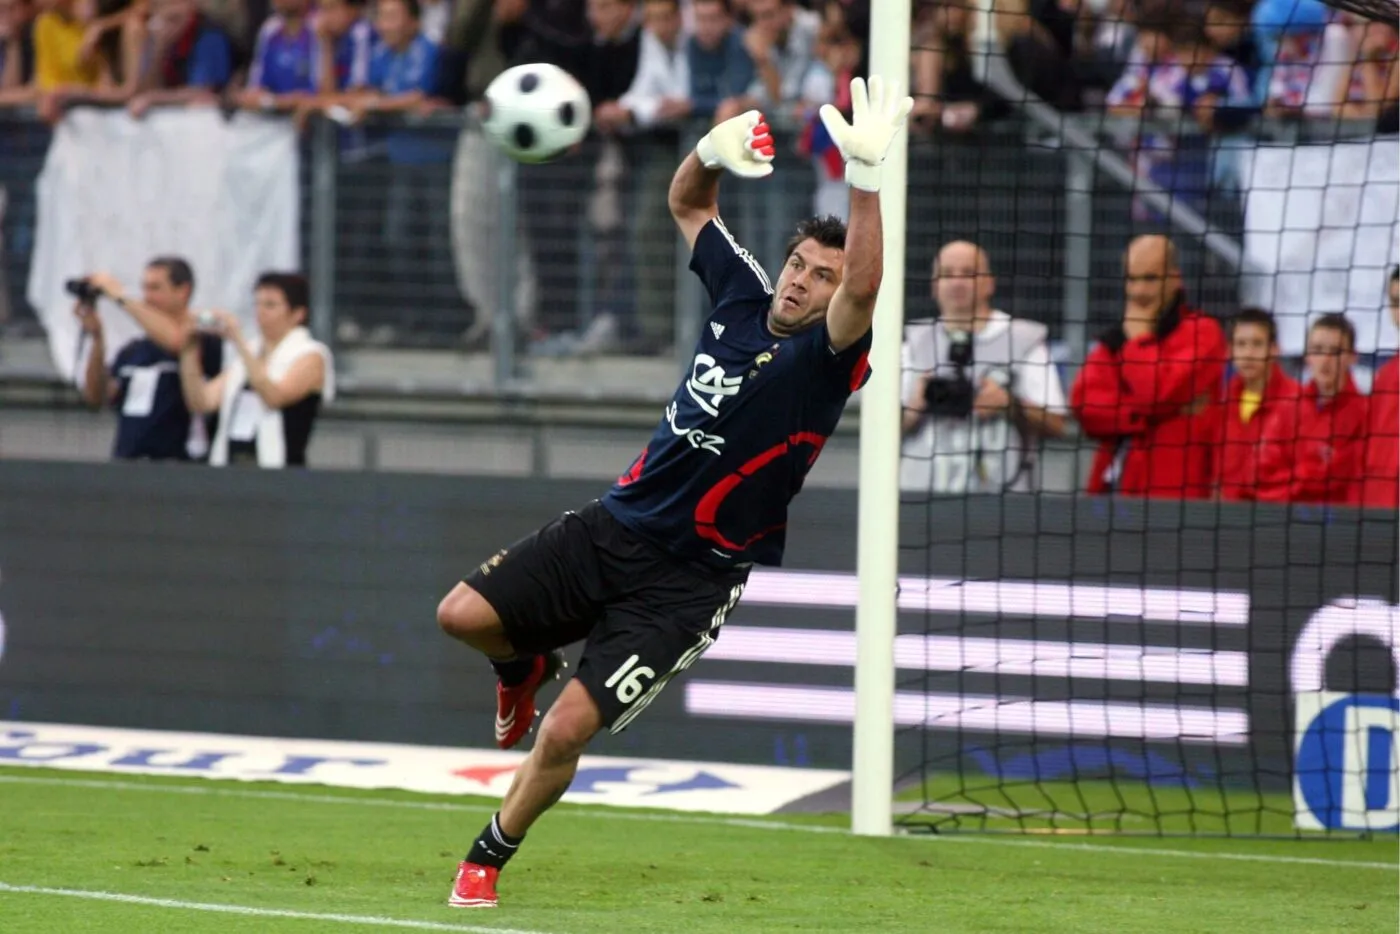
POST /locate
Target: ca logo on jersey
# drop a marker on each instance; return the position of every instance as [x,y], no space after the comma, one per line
[709,385]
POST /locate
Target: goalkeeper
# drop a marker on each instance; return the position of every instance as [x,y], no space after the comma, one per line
[648,573]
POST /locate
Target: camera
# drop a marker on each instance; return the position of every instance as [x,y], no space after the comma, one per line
[952,397]
[83,290]
[206,320]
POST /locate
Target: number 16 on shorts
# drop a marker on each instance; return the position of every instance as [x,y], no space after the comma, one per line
[629,680]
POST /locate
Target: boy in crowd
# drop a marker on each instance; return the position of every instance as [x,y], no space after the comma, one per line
[346,41]
[1312,451]
[1257,391]
[283,73]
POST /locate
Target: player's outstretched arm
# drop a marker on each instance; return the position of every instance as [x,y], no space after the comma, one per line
[742,145]
[878,113]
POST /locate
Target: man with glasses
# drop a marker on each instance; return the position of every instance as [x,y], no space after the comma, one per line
[1313,450]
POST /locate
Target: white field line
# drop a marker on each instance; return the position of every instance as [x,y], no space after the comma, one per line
[362,920]
[664,818]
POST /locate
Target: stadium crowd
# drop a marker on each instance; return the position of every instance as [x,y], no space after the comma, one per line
[1153,391]
[649,63]
[1180,406]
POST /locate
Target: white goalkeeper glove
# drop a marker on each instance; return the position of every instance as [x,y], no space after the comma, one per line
[742,144]
[876,117]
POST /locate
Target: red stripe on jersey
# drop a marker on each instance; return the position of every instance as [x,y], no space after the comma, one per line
[707,509]
[635,471]
[861,371]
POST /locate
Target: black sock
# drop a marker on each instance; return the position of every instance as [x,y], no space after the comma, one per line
[493,846]
[515,670]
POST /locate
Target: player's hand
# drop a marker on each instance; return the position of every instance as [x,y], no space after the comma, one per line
[742,144]
[878,113]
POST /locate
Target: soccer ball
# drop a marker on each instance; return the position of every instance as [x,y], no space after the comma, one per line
[536,112]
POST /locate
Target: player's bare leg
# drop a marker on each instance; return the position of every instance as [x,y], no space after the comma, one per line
[465,615]
[572,721]
[540,782]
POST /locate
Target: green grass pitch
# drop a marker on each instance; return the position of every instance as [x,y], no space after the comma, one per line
[96,853]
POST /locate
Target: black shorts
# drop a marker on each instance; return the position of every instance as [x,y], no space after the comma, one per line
[647,616]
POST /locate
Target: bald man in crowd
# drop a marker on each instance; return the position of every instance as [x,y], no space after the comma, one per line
[1148,389]
[979,388]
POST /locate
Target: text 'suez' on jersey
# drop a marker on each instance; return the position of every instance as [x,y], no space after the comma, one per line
[743,428]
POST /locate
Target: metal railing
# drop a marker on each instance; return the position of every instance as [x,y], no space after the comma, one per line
[422,240]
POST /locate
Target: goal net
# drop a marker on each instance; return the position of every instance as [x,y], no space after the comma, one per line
[1148,563]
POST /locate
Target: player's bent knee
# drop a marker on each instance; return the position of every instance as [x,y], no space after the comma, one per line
[572,721]
[464,613]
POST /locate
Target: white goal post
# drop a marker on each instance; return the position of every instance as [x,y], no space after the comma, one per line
[872,768]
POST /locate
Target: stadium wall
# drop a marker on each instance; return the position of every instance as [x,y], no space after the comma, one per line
[302,604]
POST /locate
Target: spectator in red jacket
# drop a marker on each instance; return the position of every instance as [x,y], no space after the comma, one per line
[1312,451]
[1380,487]
[1148,389]
[1258,389]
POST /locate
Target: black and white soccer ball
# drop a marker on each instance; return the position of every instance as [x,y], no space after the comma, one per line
[536,112]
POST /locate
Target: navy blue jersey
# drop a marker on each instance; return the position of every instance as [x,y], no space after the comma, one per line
[154,422]
[743,429]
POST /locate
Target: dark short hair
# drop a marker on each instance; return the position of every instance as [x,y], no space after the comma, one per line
[176,269]
[293,287]
[1394,273]
[1334,321]
[829,231]
[1257,316]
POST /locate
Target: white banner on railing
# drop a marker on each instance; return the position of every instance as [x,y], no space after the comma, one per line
[115,192]
[1321,234]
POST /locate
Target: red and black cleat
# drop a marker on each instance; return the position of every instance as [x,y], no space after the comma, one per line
[515,705]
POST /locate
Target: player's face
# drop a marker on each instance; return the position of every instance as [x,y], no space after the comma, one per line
[805,286]
[1251,351]
[1328,358]
[1395,301]
[293,8]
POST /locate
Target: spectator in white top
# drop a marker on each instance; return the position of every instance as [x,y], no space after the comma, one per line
[660,90]
[782,43]
[656,101]
[979,390]
[271,391]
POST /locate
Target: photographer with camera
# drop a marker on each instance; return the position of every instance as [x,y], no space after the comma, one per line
[143,381]
[269,395]
[979,387]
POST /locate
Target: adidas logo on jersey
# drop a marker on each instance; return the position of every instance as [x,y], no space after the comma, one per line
[717,328]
